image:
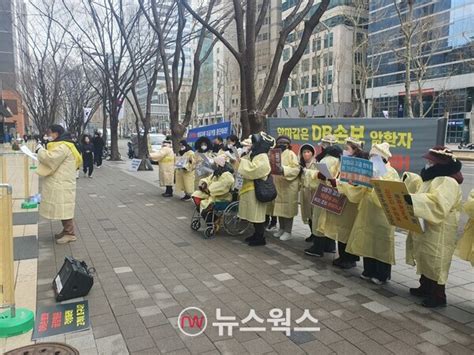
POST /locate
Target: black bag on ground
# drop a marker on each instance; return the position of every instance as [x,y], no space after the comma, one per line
[265,190]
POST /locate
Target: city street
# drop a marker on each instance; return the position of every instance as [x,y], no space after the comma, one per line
[151,265]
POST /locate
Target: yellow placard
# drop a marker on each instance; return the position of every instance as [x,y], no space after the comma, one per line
[399,213]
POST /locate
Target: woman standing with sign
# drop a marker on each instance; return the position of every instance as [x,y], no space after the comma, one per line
[307,189]
[372,236]
[185,170]
[165,159]
[252,167]
[287,186]
[438,202]
[339,227]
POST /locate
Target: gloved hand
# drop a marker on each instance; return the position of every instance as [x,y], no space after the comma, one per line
[333,182]
[321,177]
[38,147]
[408,199]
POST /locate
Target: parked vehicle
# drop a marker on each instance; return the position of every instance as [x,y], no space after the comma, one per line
[466,145]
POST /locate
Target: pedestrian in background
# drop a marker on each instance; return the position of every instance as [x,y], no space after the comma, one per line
[57,167]
[185,170]
[87,150]
[99,145]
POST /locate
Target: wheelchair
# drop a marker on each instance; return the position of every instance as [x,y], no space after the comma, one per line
[219,214]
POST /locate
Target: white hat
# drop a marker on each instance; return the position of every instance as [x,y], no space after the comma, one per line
[382,149]
[329,138]
[246,142]
[220,160]
[355,142]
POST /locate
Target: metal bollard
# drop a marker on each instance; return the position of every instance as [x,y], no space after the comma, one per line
[7,296]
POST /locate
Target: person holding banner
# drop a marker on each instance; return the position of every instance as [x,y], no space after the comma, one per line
[372,236]
[185,170]
[165,158]
[329,156]
[438,202]
[307,188]
[465,249]
[287,186]
[339,227]
[255,166]
[202,146]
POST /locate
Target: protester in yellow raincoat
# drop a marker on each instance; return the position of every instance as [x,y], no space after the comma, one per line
[255,166]
[202,147]
[339,227]
[185,170]
[287,185]
[57,167]
[465,249]
[372,235]
[165,159]
[438,202]
[215,188]
[307,188]
[329,156]
[413,183]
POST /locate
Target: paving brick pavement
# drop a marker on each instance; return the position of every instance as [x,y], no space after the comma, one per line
[151,265]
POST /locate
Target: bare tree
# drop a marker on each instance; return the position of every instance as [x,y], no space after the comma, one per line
[45,57]
[248,23]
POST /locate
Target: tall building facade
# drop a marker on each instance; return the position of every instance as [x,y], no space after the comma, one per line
[219,91]
[442,63]
[12,25]
[322,84]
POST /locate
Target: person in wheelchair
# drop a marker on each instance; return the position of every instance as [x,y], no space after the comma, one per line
[215,188]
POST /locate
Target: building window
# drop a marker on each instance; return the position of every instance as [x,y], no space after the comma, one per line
[286,102]
[316,63]
[305,65]
[304,82]
[315,80]
[287,87]
[315,98]
[304,99]
[316,44]
[329,42]
[328,77]
[294,101]
[286,53]
[326,55]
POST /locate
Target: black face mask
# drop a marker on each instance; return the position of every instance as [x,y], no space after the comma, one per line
[283,147]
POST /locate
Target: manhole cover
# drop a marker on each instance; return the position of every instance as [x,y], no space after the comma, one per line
[44,349]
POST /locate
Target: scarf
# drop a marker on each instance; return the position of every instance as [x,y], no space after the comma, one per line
[66,139]
[187,149]
[452,169]
[333,151]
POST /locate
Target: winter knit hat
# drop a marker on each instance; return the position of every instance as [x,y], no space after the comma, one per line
[382,149]
[283,140]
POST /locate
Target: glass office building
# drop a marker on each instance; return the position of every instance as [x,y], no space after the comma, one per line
[442,60]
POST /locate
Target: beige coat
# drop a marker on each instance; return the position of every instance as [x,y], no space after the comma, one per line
[185,177]
[333,165]
[287,185]
[218,187]
[250,208]
[307,190]
[58,187]
[372,235]
[165,158]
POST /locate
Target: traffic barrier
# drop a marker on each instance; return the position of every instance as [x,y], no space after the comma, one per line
[13,321]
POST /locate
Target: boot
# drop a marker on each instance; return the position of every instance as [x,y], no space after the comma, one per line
[257,242]
[329,245]
[315,250]
[186,197]
[168,192]
[437,298]
[249,239]
[59,235]
[310,239]
[423,290]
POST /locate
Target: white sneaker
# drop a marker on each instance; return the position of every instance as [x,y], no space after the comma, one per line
[271,228]
[377,281]
[278,233]
[286,236]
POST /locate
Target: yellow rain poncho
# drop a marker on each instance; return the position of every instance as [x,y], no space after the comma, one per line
[219,189]
[57,166]
[307,190]
[333,166]
[413,183]
[250,208]
[165,159]
[465,249]
[185,176]
[438,203]
[287,186]
[197,161]
[372,236]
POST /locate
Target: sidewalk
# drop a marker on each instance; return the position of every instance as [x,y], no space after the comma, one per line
[151,265]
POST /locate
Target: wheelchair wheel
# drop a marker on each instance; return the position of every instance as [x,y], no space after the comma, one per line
[209,232]
[232,223]
[195,224]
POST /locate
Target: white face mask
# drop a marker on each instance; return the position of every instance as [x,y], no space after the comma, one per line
[49,139]
[346,153]
[203,147]
[183,148]
[428,165]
